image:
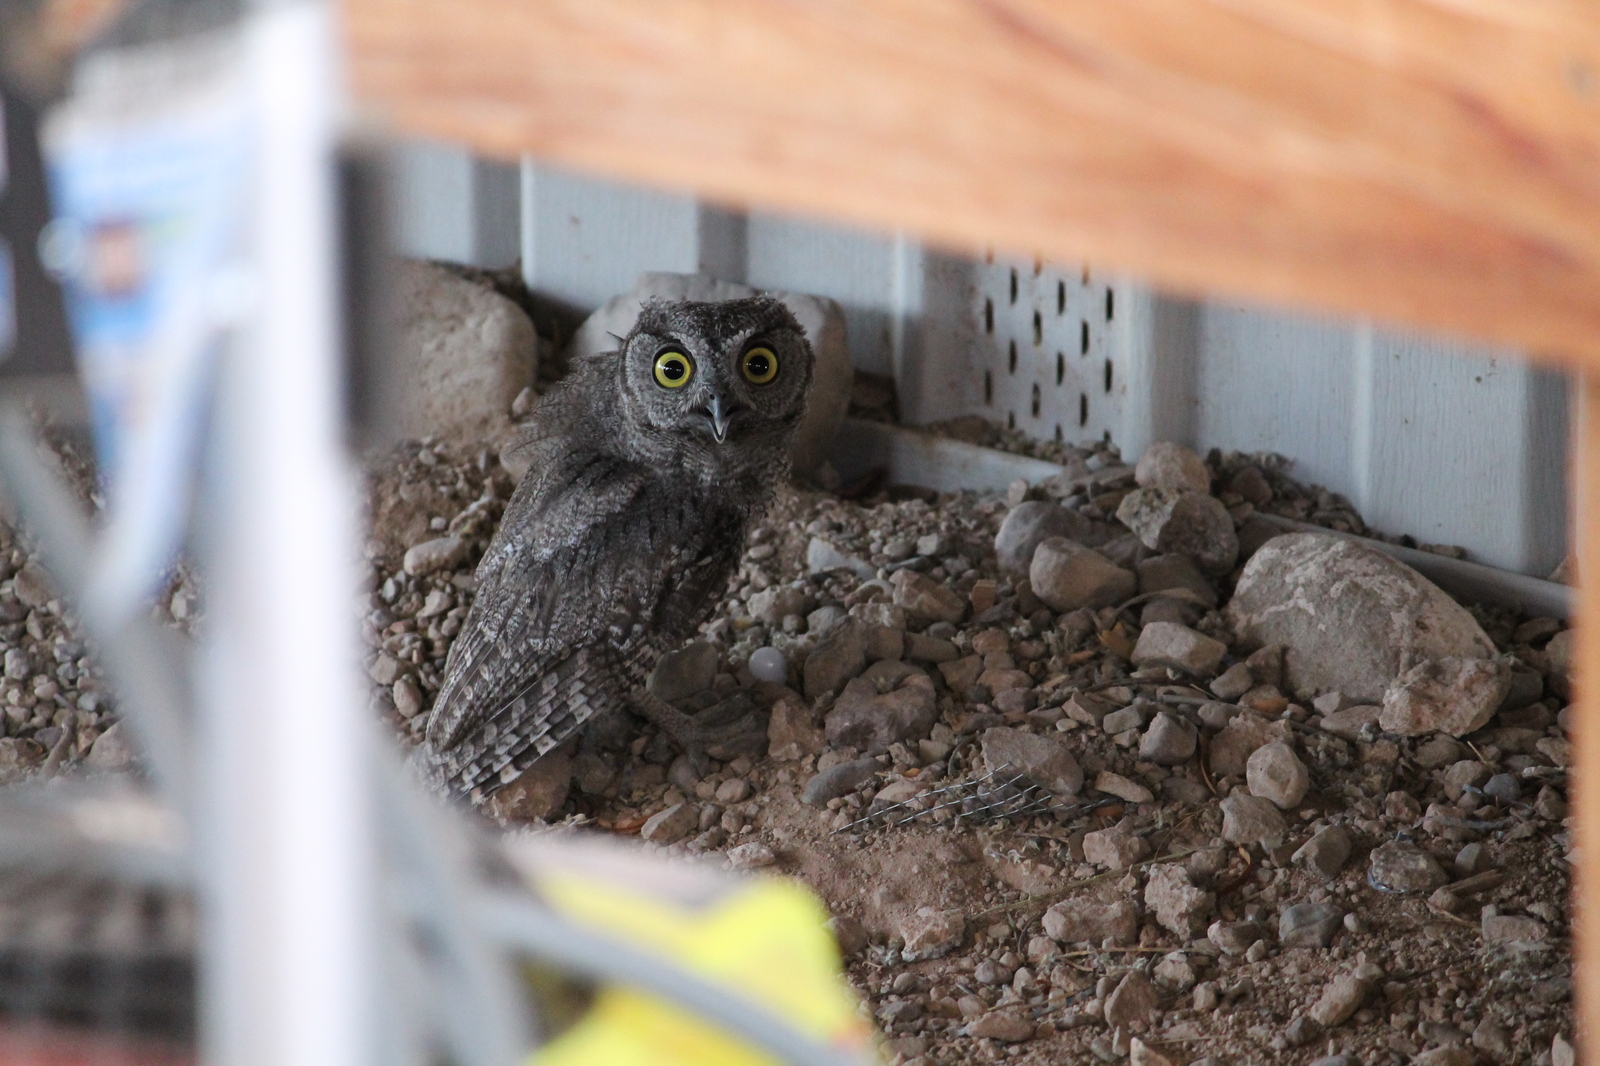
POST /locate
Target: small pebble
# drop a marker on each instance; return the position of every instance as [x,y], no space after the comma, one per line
[751,856]
[733,790]
[1504,789]
[768,664]
[1471,859]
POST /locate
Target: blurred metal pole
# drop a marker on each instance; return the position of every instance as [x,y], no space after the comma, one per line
[287,829]
[434,859]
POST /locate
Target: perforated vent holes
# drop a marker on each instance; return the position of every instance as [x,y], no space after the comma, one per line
[1046,354]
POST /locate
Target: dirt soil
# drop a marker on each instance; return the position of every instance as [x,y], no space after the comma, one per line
[968,897]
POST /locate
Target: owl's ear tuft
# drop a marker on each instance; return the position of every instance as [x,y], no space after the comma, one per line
[655,317]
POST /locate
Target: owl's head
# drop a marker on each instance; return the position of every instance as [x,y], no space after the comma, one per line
[717,387]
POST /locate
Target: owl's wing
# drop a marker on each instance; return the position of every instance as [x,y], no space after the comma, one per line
[523,620]
[582,590]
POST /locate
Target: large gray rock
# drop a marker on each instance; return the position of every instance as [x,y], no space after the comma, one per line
[1559,650]
[1027,526]
[774,604]
[1142,1054]
[822,320]
[921,648]
[1179,520]
[1066,575]
[1134,716]
[792,731]
[1498,928]
[1007,1026]
[1235,938]
[35,587]
[1350,722]
[110,750]
[1122,788]
[1351,618]
[465,352]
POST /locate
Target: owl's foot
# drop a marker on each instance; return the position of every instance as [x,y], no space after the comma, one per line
[689,733]
[718,730]
[728,713]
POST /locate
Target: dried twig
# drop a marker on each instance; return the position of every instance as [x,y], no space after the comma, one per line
[1244,876]
[1447,916]
[1205,759]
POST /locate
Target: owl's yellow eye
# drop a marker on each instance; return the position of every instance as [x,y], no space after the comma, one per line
[760,365]
[673,370]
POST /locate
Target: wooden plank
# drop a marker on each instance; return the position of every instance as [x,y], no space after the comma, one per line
[1584,781]
[1434,162]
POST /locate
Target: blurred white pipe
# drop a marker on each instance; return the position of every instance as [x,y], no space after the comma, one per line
[289,894]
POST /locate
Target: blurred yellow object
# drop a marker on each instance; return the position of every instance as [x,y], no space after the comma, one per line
[762,939]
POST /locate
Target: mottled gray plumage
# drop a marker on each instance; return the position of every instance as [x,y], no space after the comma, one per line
[620,537]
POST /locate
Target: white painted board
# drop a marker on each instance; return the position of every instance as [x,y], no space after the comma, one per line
[1430,437]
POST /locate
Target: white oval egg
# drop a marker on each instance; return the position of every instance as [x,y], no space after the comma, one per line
[768,664]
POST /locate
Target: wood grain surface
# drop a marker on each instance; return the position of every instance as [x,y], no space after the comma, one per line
[1433,162]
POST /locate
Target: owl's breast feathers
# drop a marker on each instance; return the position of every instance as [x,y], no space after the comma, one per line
[598,568]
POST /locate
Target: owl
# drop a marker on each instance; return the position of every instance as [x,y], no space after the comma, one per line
[648,465]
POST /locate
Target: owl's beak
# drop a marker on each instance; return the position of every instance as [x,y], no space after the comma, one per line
[720,417]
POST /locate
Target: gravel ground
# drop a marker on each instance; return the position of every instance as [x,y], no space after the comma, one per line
[1393,899]
[1061,805]
[55,713]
